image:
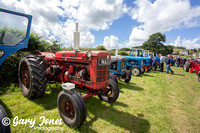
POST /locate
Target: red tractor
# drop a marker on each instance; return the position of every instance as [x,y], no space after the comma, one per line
[194,66]
[88,70]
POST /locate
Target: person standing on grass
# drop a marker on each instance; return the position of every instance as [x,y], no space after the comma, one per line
[168,64]
[162,61]
[154,61]
[178,61]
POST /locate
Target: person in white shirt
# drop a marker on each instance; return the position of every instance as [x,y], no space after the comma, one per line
[162,61]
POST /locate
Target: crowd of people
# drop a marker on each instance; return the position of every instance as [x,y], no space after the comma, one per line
[169,60]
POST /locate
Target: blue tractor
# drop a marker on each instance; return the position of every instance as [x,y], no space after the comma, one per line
[134,62]
[12,41]
[118,68]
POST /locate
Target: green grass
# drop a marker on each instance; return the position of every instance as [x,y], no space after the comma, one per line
[154,102]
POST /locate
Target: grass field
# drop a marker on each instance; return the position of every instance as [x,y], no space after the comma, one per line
[154,102]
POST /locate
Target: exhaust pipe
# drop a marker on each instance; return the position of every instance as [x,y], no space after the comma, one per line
[76,39]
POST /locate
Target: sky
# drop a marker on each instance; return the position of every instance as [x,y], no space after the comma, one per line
[112,23]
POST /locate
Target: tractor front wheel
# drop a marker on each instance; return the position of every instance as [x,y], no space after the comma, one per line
[71,107]
[126,77]
[112,76]
[135,71]
[32,76]
[111,94]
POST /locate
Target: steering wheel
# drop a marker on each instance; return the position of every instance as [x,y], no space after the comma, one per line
[54,47]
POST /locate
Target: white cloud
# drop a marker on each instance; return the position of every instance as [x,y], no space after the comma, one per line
[162,16]
[91,14]
[137,37]
[177,42]
[111,42]
[188,43]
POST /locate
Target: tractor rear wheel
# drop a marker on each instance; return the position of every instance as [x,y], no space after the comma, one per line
[71,107]
[126,77]
[32,76]
[112,76]
[187,66]
[135,71]
[199,76]
[111,94]
[3,128]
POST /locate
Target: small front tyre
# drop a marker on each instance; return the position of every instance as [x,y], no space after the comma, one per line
[135,71]
[72,108]
[126,77]
[111,94]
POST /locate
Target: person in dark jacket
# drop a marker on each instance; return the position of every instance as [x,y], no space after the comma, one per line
[184,60]
[178,61]
[168,64]
[154,61]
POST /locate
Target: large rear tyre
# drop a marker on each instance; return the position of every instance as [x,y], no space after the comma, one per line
[187,66]
[32,76]
[126,77]
[111,94]
[199,76]
[112,76]
[135,71]
[71,107]
[3,127]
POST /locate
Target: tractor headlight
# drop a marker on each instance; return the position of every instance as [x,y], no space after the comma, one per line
[1,53]
[89,54]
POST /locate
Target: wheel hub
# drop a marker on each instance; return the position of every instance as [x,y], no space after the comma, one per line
[68,108]
[25,76]
[135,72]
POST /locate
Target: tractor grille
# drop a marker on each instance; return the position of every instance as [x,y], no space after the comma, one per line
[123,65]
[103,73]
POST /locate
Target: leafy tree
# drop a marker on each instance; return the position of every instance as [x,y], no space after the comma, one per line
[37,42]
[125,49]
[155,44]
[100,47]
[194,50]
[123,53]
